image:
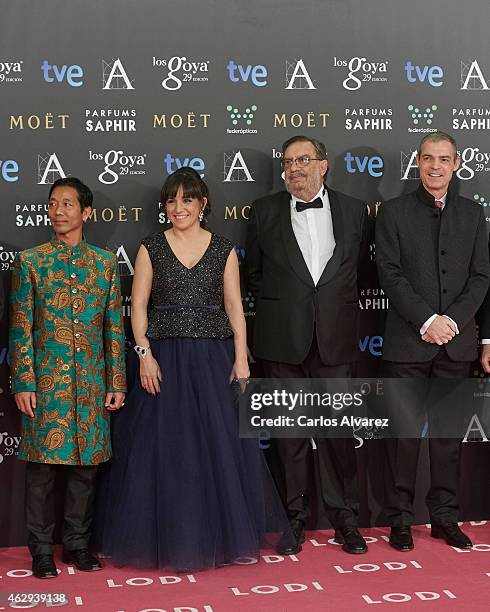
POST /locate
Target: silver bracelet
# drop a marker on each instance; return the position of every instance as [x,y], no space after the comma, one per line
[142,351]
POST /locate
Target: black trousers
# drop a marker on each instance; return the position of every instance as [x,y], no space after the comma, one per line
[402,454]
[40,506]
[336,457]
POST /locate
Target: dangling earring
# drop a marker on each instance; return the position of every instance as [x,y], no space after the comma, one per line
[201,214]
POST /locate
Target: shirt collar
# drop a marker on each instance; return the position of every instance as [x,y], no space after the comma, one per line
[322,193]
[78,249]
[428,198]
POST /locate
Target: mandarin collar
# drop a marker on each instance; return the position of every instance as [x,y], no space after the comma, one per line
[427,198]
[78,249]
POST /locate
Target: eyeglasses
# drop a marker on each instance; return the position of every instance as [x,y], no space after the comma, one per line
[303,160]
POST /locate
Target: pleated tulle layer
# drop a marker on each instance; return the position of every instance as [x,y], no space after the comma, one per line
[183,490]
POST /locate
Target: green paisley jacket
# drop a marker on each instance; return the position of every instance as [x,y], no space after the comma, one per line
[67,345]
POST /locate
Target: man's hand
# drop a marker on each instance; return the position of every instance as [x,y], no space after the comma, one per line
[114,400]
[440,331]
[485,358]
[26,402]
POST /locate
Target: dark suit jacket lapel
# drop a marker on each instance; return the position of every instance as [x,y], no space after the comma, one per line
[290,243]
[338,231]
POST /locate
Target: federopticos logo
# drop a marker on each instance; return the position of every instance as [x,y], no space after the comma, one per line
[422,117]
[483,201]
[179,70]
[241,119]
[117,164]
[362,71]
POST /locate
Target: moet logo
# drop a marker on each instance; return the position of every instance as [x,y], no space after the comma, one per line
[47,121]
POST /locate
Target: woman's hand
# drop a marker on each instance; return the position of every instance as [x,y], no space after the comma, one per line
[150,374]
[240,373]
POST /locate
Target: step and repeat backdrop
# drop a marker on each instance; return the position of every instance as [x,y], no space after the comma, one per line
[122,94]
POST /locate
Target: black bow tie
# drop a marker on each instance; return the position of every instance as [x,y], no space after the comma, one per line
[317,203]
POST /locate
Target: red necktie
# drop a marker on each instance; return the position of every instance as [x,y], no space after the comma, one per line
[438,203]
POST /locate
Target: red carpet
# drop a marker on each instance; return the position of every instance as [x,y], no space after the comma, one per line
[322,577]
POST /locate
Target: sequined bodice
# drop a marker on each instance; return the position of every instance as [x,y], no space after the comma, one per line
[187,302]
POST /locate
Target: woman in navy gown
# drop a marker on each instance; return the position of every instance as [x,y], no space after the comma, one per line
[183,490]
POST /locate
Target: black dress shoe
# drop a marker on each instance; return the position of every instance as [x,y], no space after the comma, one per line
[351,540]
[291,539]
[401,538]
[452,534]
[43,566]
[82,559]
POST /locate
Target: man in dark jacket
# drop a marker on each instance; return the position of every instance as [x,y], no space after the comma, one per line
[303,250]
[433,264]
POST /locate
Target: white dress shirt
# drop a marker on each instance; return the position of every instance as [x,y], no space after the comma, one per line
[313,229]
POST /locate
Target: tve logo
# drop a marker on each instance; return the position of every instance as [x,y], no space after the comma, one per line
[373,344]
[355,163]
[174,163]
[424,74]
[239,73]
[53,73]
[9,170]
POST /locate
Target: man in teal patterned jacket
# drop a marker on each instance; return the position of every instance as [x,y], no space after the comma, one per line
[68,371]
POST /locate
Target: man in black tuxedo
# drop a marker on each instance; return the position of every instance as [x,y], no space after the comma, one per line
[303,250]
[433,264]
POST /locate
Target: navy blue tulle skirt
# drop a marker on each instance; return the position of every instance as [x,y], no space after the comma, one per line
[183,490]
